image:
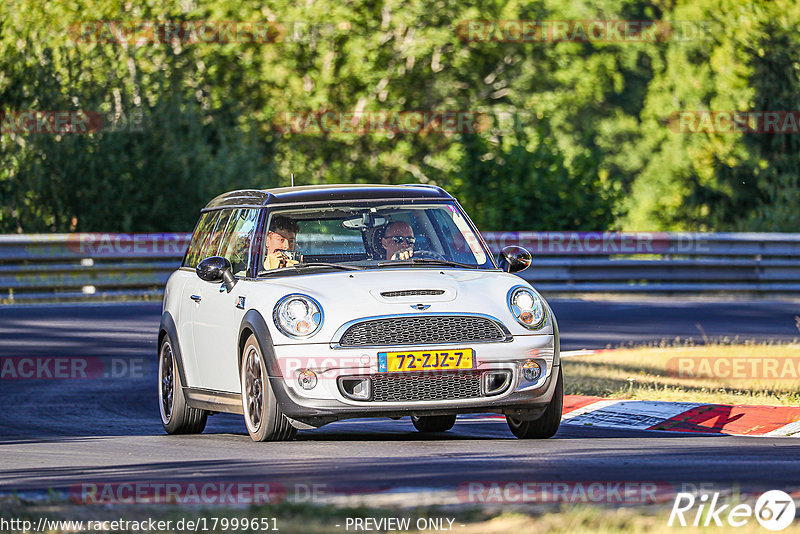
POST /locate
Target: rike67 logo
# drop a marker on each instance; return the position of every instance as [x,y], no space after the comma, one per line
[774,510]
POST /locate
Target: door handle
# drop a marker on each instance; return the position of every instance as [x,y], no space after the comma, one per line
[196,298]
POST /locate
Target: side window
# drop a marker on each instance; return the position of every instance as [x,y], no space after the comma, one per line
[199,238]
[236,241]
[469,236]
[215,237]
[460,237]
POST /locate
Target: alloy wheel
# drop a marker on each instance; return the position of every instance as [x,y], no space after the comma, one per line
[254,385]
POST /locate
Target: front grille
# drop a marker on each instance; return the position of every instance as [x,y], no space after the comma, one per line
[422,330]
[412,293]
[426,387]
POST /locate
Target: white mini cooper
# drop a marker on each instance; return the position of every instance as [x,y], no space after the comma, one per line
[301,306]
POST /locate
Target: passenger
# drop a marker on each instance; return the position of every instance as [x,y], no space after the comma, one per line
[280,238]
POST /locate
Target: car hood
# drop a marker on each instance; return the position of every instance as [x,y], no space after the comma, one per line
[349,295]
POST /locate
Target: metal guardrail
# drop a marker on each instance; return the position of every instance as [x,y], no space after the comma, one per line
[86,266]
[135,266]
[659,262]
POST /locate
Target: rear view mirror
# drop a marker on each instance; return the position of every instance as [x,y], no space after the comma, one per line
[515,259]
[367,220]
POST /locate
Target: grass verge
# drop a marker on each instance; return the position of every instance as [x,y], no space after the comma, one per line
[762,374]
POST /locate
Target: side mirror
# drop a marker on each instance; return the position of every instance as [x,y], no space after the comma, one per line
[515,259]
[216,269]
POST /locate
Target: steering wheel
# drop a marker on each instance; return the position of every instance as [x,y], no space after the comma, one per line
[429,255]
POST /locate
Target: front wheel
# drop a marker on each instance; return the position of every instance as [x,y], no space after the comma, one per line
[176,416]
[547,424]
[433,423]
[262,415]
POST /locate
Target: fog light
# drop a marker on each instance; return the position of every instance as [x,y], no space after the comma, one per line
[531,371]
[496,382]
[355,388]
[307,379]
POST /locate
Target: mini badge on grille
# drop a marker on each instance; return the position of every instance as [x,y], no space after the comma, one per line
[240,303]
[420,306]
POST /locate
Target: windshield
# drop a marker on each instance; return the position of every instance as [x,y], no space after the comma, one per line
[364,236]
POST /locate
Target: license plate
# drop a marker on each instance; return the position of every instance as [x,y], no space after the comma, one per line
[425,360]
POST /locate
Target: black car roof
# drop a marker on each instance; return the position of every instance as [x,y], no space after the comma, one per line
[307,194]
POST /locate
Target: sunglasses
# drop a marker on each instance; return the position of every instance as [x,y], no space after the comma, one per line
[400,239]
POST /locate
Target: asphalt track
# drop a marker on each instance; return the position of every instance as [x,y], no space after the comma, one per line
[56,433]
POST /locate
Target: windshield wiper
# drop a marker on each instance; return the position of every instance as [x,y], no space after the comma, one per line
[425,261]
[300,266]
[303,265]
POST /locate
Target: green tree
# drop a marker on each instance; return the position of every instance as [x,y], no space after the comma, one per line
[165,152]
[747,59]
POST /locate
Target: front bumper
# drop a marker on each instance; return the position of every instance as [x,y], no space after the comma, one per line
[326,403]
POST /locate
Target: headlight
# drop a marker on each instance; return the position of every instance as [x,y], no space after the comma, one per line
[298,316]
[527,307]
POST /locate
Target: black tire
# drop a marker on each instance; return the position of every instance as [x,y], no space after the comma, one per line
[433,423]
[176,416]
[547,424]
[262,415]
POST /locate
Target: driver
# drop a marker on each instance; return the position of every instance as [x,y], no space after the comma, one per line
[398,240]
[280,238]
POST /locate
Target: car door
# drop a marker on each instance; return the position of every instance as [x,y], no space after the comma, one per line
[187,304]
[216,316]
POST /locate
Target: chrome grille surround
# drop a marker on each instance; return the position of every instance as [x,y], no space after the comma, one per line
[421,329]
